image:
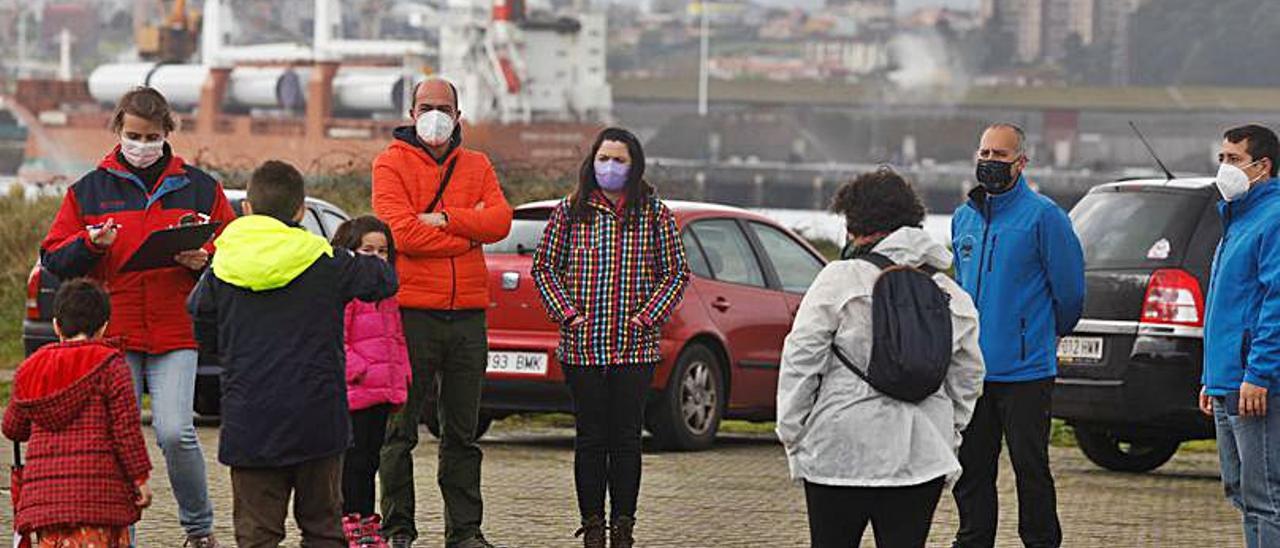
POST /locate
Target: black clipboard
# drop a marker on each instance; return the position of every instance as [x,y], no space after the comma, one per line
[158,249]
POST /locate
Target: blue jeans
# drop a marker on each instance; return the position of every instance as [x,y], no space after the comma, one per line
[170,378]
[1249,450]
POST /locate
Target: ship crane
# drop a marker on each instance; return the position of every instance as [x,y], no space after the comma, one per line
[171,40]
[482,47]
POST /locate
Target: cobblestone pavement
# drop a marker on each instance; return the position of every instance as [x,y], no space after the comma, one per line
[738,495]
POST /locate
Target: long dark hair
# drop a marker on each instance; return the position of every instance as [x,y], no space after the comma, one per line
[637,190]
[350,233]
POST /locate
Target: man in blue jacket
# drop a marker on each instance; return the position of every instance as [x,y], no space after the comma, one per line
[1242,331]
[1019,258]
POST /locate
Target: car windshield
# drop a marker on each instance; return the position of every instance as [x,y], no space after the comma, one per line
[1136,229]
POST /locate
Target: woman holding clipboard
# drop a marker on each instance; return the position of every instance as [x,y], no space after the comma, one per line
[141,187]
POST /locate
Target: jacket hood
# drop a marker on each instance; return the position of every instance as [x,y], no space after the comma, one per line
[913,246]
[260,253]
[50,384]
[408,135]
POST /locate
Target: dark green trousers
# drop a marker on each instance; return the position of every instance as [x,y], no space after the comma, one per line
[448,353]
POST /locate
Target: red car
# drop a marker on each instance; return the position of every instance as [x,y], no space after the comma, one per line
[721,350]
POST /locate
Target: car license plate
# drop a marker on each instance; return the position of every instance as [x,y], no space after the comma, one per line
[1080,349]
[518,363]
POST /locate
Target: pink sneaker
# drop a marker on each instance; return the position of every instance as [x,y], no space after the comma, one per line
[371,532]
[352,529]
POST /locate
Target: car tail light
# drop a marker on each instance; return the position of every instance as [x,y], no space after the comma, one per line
[1173,298]
[33,294]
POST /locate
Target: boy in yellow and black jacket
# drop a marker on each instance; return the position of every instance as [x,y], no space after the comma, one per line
[272,308]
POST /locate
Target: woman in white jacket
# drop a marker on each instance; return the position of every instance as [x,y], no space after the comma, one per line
[863,456]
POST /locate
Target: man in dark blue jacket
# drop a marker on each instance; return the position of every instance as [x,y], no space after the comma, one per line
[1019,258]
[1242,331]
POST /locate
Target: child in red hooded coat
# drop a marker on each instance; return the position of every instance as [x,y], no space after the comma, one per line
[85,480]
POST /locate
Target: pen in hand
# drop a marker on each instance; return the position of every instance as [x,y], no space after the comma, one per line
[103,235]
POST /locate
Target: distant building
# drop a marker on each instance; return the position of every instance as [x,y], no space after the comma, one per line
[1020,19]
[847,58]
[784,27]
[81,20]
[1064,18]
[567,69]
[1043,27]
[876,4]
[866,10]
[518,69]
[669,6]
[925,18]
[1114,26]
[762,67]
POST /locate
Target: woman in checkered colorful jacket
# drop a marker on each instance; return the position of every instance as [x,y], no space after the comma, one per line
[610,270]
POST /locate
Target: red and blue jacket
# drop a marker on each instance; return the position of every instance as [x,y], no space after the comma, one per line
[148,308]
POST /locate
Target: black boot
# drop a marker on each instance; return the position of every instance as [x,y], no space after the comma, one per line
[620,533]
[592,532]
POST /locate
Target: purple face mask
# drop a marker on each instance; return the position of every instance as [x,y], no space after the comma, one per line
[611,175]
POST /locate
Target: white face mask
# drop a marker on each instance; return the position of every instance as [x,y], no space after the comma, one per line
[1233,182]
[141,154]
[434,127]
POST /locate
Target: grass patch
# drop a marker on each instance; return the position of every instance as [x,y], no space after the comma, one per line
[565,420]
[538,420]
[12,304]
[1199,446]
[746,427]
[1061,434]
[25,224]
[828,248]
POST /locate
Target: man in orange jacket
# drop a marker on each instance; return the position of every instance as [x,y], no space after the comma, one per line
[442,202]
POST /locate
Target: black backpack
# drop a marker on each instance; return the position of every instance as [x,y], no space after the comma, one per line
[911,321]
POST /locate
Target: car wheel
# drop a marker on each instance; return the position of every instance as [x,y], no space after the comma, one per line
[687,414]
[432,421]
[1106,450]
[208,398]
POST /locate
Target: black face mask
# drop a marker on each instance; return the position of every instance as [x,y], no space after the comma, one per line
[995,176]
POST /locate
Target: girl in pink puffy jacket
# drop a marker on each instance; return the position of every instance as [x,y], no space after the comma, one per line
[378,378]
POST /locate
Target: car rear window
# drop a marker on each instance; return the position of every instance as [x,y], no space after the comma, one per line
[1136,228]
[526,232]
